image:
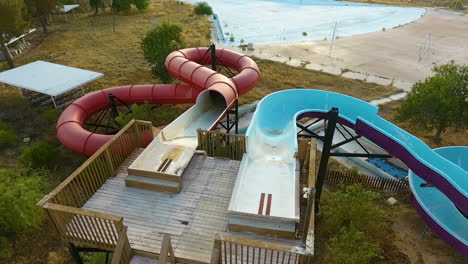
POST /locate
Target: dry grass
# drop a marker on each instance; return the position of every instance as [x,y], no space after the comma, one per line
[449,138]
[89,43]
[279,76]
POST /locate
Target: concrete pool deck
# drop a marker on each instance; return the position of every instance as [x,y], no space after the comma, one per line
[401,55]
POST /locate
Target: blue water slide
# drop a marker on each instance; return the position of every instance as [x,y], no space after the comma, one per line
[273,126]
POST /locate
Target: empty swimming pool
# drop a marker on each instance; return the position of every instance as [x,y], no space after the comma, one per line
[283,21]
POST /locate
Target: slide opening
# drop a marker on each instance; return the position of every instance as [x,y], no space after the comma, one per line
[211,98]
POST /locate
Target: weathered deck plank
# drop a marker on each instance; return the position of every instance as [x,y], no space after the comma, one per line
[192,218]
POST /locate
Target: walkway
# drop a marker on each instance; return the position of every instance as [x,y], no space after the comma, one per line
[191,218]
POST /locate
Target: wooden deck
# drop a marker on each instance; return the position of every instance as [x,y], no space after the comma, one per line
[191,218]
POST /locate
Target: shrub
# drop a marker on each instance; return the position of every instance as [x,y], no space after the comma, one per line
[6,248]
[122,5]
[50,115]
[457,5]
[5,126]
[356,207]
[203,8]
[8,139]
[158,43]
[19,193]
[141,4]
[350,246]
[39,155]
[140,112]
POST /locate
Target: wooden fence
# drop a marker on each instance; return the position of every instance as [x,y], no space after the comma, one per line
[86,228]
[224,145]
[377,183]
[122,251]
[230,249]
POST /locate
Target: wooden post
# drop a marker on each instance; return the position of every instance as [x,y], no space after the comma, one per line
[312,164]
[216,256]
[167,252]
[110,166]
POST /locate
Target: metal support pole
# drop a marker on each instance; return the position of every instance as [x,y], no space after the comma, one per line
[332,116]
[107,257]
[53,101]
[213,56]
[75,253]
[113,107]
[423,232]
[228,125]
[237,116]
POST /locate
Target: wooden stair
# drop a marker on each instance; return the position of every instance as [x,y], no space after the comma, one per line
[153,183]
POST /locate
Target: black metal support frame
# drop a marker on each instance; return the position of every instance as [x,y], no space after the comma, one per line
[215,62]
[332,124]
[228,125]
[332,117]
[112,108]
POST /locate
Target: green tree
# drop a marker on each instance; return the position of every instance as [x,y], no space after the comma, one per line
[19,193]
[158,43]
[140,112]
[354,206]
[440,101]
[351,246]
[13,22]
[41,9]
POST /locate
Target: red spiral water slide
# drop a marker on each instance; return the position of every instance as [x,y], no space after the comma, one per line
[185,65]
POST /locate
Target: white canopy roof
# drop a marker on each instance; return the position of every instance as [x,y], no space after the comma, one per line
[68,8]
[48,78]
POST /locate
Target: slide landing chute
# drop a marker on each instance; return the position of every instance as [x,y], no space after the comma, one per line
[269,166]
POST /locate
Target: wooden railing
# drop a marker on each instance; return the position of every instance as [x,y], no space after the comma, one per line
[230,249]
[224,145]
[377,183]
[87,228]
[123,251]
[76,190]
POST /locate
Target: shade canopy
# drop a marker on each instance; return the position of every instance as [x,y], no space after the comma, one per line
[48,78]
[68,8]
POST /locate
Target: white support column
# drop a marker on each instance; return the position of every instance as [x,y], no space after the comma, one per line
[53,101]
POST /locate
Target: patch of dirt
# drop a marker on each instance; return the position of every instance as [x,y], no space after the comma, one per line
[408,226]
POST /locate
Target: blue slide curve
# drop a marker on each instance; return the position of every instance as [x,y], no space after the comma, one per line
[273,127]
